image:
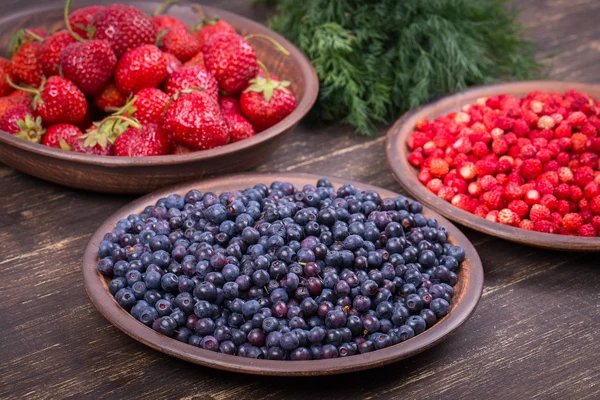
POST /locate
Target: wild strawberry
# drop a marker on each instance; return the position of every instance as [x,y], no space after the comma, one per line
[6,69]
[526,224]
[591,190]
[26,64]
[488,182]
[577,119]
[80,20]
[438,167]
[210,28]
[416,158]
[149,140]
[549,201]
[596,222]
[539,212]
[229,104]
[544,226]
[194,119]
[462,201]
[434,185]
[519,207]
[123,27]
[198,60]
[180,43]
[239,127]
[583,175]
[446,193]
[50,51]
[531,169]
[467,171]
[110,99]
[507,217]
[149,106]
[587,230]
[231,59]
[23,123]
[486,167]
[532,197]
[572,222]
[494,200]
[190,78]
[418,139]
[162,22]
[89,65]
[141,67]
[61,136]
[266,102]
[492,216]
[173,64]
[424,176]
[475,189]
[594,205]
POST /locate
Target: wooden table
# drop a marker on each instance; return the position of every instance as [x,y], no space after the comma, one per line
[534,335]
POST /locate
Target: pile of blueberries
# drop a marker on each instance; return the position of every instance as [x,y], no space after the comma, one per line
[283,274]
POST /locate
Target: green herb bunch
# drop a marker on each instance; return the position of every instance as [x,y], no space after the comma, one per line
[378,58]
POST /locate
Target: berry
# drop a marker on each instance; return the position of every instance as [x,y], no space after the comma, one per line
[22,122]
[149,106]
[193,77]
[110,99]
[210,28]
[231,59]
[80,20]
[61,136]
[266,102]
[149,140]
[50,51]
[194,120]
[26,64]
[89,65]
[123,27]
[5,69]
[239,127]
[139,68]
[162,22]
[179,42]
[58,100]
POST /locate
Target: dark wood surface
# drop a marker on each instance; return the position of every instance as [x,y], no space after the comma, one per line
[534,334]
[467,291]
[397,153]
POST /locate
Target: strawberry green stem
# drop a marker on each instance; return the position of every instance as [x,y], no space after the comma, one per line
[17,87]
[34,35]
[265,70]
[69,28]
[274,42]
[161,8]
[122,110]
[130,121]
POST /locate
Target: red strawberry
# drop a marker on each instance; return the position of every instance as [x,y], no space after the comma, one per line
[231,59]
[239,127]
[266,102]
[149,106]
[194,120]
[162,22]
[58,100]
[5,69]
[79,146]
[110,99]
[23,36]
[50,51]
[198,60]
[211,27]
[123,27]
[6,103]
[89,65]
[173,63]
[192,77]
[22,97]
[61,136]
[26,64]
[180,43]
[229,104]
[142,67]
[22,122]
[80,20]
[150,140]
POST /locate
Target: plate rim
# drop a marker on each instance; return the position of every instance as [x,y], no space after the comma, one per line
[96,289]
[397,152]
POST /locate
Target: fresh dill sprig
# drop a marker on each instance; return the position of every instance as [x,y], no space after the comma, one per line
[377,59]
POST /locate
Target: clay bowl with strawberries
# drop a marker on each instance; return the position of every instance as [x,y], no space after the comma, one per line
[398,151]
[157,129]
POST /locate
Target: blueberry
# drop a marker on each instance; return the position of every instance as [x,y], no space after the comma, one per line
[169,282]
[335,319]
[417,323]
[440,307]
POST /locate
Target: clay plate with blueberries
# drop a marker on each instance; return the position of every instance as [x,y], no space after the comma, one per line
[113,299]
[144,174]
[398,153]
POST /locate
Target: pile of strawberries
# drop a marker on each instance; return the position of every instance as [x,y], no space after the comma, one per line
[117,81]
[530,163]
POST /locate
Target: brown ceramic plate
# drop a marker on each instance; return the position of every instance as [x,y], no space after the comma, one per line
[141,175]
[397,155]
[467,293]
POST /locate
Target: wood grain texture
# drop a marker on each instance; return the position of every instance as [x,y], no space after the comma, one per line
[397,152]
[144,174]
[534,334]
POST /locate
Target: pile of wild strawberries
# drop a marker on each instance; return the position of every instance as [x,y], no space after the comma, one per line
[531,162]
[117,81]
